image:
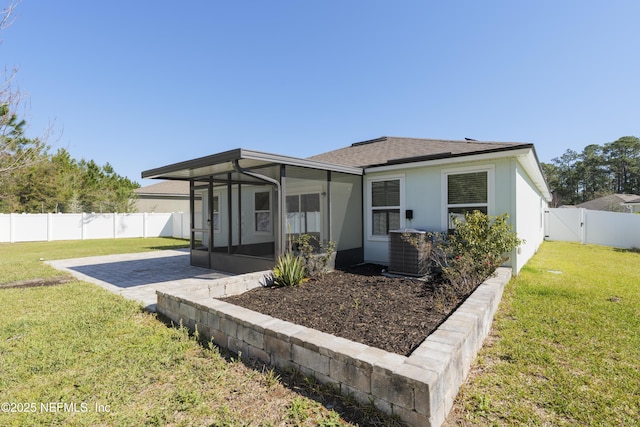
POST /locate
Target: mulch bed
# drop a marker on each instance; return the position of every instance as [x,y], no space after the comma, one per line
[395,314]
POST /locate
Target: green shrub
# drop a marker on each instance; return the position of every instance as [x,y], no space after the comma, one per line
[289,270]
[474,249]
[486,239]
[316,254]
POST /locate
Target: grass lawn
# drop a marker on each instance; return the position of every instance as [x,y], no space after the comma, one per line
[565,344]
[75,354]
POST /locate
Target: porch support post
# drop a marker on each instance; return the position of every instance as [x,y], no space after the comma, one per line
[210,217]
[192,215]
[329,207]
[230,215]
[281,243]
[239,215]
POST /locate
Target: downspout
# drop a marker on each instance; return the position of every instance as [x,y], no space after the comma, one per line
[280,239]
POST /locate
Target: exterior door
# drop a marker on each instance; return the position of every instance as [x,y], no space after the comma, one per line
[201,228]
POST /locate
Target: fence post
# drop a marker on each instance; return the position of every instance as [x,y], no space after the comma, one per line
[115,224]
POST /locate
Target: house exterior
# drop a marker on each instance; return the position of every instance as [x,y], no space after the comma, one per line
[165,196]
[633,205]
[247,206]
[629,203]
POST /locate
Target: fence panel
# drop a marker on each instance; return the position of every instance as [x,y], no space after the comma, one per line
[159,224]
[44,227]
[29,228]
[65,227]
[130,225]
[621,230]
[98,226]
[181,225]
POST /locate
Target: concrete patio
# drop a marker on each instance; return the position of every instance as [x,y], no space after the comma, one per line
[138,276]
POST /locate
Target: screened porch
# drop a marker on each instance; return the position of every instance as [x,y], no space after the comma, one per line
[249,207]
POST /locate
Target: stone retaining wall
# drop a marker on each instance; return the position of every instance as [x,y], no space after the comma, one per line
[420,389]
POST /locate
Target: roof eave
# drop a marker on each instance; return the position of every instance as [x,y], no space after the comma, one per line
[165,172]
[448,158]
[200,162]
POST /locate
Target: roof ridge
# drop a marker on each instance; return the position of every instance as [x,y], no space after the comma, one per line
[369,141]
[465,141]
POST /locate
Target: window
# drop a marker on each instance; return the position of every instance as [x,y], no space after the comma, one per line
[303,214]
[385,206]
[262,211]
[467,192]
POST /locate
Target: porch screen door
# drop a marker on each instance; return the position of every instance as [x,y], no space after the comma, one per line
[200,227]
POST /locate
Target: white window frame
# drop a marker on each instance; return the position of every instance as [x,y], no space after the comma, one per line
[490,169]
[370,208]
[256,211]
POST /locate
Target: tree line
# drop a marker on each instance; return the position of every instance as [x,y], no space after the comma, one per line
[56,182]
[32,179]
[599,170]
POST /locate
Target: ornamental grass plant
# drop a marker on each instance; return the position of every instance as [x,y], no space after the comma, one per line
[289,270]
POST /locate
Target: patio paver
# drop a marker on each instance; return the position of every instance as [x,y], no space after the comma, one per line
[138,276]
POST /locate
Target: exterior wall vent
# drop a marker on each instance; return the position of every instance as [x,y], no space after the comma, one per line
[409,252]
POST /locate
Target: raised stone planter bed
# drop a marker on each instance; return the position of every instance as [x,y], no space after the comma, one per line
[419,389]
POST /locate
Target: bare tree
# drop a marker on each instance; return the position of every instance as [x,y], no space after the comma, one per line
[7,94]
[16,150]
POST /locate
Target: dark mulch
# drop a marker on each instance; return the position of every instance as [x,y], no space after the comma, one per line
[391,313]
[32,283]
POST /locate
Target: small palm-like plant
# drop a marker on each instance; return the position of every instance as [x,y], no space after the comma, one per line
[289,270]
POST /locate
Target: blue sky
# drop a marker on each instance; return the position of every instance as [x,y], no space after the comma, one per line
[142,83]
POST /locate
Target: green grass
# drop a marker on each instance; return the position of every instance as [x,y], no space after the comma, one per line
[77,344]
[20,261]
[565,345]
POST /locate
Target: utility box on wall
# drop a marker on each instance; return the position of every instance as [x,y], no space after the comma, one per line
[409,252]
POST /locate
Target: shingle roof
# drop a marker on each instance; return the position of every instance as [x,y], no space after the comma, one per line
[180,188]
[612,202]
[394,150]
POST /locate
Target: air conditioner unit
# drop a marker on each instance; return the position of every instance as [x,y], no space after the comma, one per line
[409,252]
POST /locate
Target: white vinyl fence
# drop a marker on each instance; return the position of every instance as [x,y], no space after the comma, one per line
[82,226]
[621,230]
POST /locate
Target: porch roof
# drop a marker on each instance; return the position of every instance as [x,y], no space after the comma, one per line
[222,163]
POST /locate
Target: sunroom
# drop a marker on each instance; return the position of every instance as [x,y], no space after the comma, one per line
[248,207]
